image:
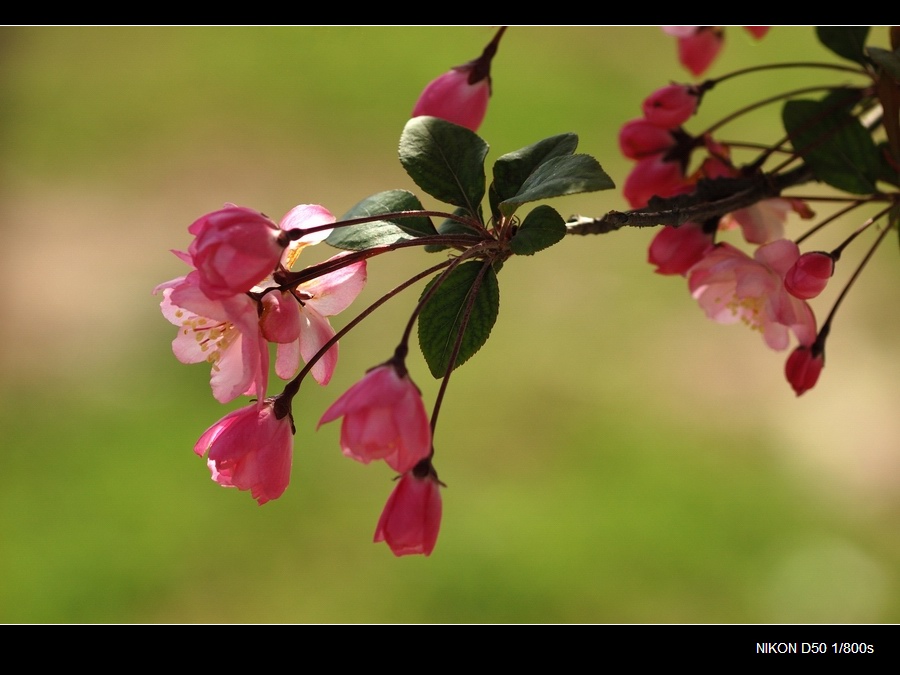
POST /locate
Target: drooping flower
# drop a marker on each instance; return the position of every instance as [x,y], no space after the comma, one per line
[384,418]
[698,46]
[297,319]
[461,95]
[671,106]
[674,250]
[809,275]
[803,367]
[730,286]
[225,333]
[411,518]
[250,449]
[233,250]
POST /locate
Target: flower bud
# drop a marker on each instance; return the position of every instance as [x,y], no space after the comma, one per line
[454,98]
[639,139]
[671,106]
[411,518]
[233,250]
[809,275]
[803,367]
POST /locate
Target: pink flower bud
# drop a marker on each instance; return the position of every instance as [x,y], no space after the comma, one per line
[384,418]
[674,250]
[651,177]
[757,31]
[639,139]
[803,367]
[699,49]
[671,106]
[454,98]
[411,517]
[233,250]
[809,275]
[250,449]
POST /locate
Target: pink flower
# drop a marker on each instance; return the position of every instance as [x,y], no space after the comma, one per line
[639,139]
[654,177]
[697,49]
[803,368]
[757,31]
[764,221]
[233,250]
[809,275]
[297,319]
[461,95]
[674,250]
[224,333]
[384,418]
[250,449]
[671,106]
[698,46]
[730,286]
[411,518]
[456,97]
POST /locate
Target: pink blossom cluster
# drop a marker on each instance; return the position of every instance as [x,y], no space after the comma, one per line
[234,303]
[228,309]
[698,46]
[767,291]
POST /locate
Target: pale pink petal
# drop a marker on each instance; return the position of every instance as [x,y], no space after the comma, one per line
[332,293]
[315,331]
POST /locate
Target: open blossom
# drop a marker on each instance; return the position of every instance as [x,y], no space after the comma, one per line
[803,368]
[250,449]
[731,286]
[233,250]
[297,319]
[225,333]
[411,518]
[384,418]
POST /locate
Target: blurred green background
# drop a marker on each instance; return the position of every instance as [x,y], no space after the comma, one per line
[610,455]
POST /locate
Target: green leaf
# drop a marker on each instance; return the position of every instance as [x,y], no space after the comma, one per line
[541,228]
[890,61]
[382,232]
[566,175]
[512,169]
[439,322]
[450,226]
[834,143]
[445,160]
[845,41]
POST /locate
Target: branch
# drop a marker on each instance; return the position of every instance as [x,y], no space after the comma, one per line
[713,198]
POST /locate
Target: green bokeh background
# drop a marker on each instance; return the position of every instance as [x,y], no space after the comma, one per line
[610,455]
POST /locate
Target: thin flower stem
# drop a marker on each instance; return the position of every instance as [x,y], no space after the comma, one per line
[298,233]
[764,102]
[288,279]
[292,387]
[826,326]
[709,84]
[855,204]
